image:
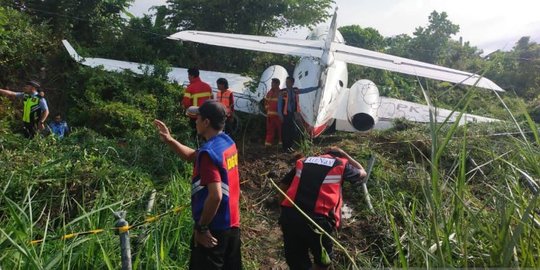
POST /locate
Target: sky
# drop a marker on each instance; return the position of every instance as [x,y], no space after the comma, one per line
[487,24]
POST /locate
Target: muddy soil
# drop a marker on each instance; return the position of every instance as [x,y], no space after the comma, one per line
[261,234]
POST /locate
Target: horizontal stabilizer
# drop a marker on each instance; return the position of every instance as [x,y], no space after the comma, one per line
[108,64]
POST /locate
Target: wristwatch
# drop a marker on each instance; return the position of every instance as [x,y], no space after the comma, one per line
[201,228]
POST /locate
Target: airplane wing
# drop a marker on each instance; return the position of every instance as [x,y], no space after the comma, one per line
[378,60]
[297,47]
[108,64]
[391,108]
[245,99]
[342,52]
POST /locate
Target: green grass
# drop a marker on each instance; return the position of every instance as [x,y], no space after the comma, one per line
[463,219]
[444,196]
[53,188]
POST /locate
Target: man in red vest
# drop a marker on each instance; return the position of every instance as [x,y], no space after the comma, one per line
[225,97]
[273,121]
[196,93]
[314,185]
[215,190]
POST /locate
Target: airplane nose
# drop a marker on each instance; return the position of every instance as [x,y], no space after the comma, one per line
[362,121]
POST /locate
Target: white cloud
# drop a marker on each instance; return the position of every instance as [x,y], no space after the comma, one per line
[481,22]
[140,7]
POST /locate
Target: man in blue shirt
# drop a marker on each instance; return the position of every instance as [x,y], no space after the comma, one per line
[35,110]
[59,127]
[288,106]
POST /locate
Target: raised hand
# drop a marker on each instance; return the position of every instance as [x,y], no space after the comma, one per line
[164,132]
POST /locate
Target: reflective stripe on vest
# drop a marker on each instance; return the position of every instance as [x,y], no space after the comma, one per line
[197,92]
[31,109]
[196,187]
[223,153]
[318,190]
[329,179]
[196,97]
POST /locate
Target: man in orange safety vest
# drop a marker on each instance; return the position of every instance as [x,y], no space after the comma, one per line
[225,96]
[273,121]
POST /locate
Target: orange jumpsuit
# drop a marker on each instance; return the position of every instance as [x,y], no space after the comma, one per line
[273,122]
[196,93]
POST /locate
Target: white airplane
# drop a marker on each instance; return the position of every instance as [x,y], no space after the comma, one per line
[323,63]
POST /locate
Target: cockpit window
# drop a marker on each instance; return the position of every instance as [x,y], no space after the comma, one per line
[306,73]
[340,83]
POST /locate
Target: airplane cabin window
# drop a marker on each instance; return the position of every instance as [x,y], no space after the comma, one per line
[340,83]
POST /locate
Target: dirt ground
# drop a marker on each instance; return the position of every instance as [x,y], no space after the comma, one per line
[261,234]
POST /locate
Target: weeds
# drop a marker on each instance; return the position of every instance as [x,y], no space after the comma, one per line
[449,196]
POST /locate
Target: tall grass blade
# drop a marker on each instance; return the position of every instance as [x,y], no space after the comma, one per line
[23,250]
[509,249]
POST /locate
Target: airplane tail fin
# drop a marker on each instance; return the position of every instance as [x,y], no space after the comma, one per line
[331,31]
[72,51]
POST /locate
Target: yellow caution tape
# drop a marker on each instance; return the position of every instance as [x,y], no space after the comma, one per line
[122,229]
[36,241]
[68,236]
[151,219]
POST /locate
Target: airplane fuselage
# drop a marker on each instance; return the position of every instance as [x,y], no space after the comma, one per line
[318,107]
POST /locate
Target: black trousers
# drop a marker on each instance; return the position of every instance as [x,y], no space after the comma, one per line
[225,256]
[290,132]
[229,126]
[300,238]
[30,130]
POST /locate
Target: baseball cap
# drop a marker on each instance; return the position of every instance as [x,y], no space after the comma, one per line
[210,109]
[33,83]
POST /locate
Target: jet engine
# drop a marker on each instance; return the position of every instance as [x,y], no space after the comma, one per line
[362,105]
[275,71]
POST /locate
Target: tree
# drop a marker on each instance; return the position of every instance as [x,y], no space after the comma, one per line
[517,70]
[23,46]
[144,40]
[527,56]
[399,45]
[431,43]
[242,17]
[246,16]
[88,22]
[366,38]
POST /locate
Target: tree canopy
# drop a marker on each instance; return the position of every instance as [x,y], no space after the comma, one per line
[245,16]
[31,32]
